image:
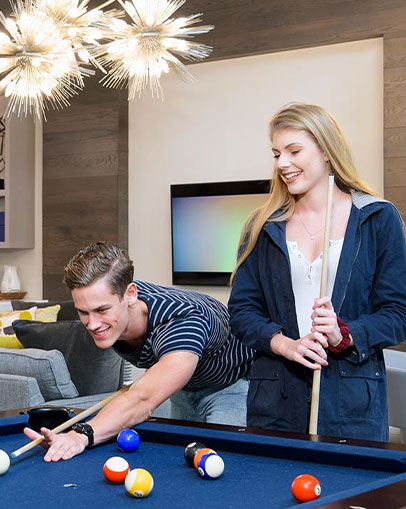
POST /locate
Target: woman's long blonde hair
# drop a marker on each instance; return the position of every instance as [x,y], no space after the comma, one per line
[325,130]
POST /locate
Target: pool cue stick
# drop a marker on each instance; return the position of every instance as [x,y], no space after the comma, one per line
[314,407]
[65,425]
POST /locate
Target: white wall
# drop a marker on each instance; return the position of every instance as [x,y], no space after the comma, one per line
[216,130]
[29,261]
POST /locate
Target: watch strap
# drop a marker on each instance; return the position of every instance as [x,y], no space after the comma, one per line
[85,429]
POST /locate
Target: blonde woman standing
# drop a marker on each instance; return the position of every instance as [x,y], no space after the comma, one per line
[275,306]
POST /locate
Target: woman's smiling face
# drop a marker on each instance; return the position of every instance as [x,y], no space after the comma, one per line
[299,160]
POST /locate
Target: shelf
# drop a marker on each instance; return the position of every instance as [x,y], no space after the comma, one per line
[12,295]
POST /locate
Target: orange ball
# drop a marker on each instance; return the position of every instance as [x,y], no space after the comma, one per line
[116,469]
[305,487]
[200,453]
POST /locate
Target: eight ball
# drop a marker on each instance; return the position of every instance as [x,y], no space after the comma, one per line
[191,450]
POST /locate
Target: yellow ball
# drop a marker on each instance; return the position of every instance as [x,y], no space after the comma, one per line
[139,483]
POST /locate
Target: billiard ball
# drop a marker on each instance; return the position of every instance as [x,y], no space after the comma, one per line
[116,469]
[305,487]
[4,462]
[128,440]
[210,466]
[200,453]
[191,450]
[139,483]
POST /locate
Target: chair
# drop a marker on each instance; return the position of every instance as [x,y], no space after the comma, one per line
[395,362]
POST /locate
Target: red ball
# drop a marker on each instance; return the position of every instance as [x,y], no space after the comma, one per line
[116,469]
[305,487]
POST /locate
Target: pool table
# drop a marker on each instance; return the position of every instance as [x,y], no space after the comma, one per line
[259,469]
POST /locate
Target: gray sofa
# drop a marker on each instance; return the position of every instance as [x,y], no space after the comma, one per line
[59,366]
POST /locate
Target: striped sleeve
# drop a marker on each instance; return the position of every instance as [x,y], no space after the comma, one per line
[181,334]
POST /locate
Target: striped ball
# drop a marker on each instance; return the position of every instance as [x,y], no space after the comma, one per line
[116,469]
[210,466]
[139,483]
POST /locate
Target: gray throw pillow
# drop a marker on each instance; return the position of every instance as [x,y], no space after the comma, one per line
[93,370]
[47,367]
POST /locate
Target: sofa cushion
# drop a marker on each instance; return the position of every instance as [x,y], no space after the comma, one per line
[47,367]
[92,370]
[67,311]
[19,392]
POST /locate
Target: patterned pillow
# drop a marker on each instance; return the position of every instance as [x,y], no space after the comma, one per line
[7,337]
[48,314]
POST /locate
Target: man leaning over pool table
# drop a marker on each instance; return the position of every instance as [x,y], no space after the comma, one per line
[181,337]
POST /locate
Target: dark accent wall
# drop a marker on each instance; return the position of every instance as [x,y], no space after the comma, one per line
[85,146]
[85,180]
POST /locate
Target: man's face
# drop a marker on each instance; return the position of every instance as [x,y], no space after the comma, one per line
[103,313]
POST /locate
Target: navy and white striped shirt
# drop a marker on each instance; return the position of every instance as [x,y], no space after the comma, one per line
[184,320]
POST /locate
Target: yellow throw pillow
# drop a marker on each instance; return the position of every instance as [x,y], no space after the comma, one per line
[7,337]
[10,341]
[17,312]
[48,314]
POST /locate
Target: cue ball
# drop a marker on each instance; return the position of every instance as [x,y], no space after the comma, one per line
[210,466]
[116,469]
[128,440]
[191,450]
[4,462]
[139,483]
[305,487]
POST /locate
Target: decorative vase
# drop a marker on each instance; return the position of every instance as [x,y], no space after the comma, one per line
[10,282]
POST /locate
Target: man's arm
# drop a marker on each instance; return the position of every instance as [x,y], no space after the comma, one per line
[158,383]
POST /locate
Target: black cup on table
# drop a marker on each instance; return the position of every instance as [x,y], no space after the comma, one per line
[48,417]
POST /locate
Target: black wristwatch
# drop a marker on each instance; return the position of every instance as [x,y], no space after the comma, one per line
[85,429]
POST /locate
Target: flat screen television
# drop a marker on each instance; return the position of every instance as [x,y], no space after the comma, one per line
[206,224]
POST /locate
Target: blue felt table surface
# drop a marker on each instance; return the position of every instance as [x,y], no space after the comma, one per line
[250,480]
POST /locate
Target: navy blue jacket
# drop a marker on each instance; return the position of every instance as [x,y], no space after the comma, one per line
[369,294]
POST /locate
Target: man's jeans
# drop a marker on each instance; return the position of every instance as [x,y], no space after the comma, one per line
[227,405]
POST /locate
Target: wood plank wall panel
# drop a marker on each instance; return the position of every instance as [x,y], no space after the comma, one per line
[78,149]
[395,119]
[83,184]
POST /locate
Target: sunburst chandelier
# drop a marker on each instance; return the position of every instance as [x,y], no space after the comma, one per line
[84,29]
[37,63]
[151,45]
[48,46]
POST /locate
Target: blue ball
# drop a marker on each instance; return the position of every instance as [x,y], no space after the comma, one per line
[128,440]
[210,466]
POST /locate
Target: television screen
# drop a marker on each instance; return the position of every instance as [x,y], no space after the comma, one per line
[206,225]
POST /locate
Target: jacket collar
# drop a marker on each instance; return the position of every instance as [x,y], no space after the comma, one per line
[363,206]
[362,201]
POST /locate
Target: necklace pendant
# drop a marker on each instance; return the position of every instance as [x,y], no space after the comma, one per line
[312,237]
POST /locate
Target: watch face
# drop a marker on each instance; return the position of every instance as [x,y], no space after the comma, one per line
[84,429]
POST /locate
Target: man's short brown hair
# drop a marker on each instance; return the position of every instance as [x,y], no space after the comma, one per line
[99,260]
